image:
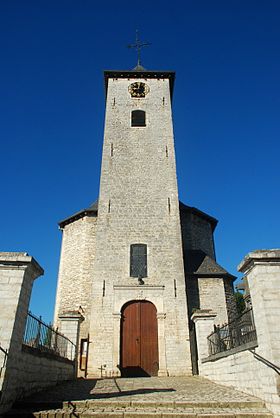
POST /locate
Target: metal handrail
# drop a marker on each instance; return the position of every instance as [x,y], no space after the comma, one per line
[3,350]
[48,326]
[265,361]
[236,333]
[45,338]
[5,359]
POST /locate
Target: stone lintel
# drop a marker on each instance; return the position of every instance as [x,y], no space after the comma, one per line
[17,260]
[203,314]
[244,347]
[71,316]
[259,257]
[138,286]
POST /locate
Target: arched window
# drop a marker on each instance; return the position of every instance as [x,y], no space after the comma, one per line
[138,260]
[138,118]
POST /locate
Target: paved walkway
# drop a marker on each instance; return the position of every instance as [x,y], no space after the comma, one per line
[155,397]
[152,389]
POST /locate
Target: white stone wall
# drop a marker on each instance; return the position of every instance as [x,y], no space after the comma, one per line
[204,325]
[76,270]
[137,179]
[23,373]
[264,284]
[28,373]
[212,296]
[242,371]
[17,272]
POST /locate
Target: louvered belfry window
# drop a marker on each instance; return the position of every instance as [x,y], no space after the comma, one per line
[138,260]
[138,118]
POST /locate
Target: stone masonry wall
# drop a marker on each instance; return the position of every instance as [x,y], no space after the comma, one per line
[21,373]
[138,203]
[230,300]
[253,371]
[197,233]
[76,270]
[244,372]
[212,296]
[207,293]
[27,373]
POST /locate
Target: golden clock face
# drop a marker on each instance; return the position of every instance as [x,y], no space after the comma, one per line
[138,89]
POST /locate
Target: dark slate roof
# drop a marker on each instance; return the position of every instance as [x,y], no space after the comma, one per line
[91,210]
[199,213]
[94,206]
[199,263]
[137,72]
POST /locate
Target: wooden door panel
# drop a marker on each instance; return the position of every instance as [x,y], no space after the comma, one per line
[149,338]
[139,339]
[131,335]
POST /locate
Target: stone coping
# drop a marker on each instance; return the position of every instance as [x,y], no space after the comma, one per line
[244,347]
[46,354]
[259,256]
[203,314]
[17,259]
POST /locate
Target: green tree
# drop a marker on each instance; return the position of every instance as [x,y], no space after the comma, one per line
[240,303]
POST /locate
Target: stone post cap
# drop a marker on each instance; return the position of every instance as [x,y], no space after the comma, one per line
[20,259]
[71,316]
[259,257]
[203,314]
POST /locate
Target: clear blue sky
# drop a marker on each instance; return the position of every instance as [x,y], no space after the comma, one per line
[226,115]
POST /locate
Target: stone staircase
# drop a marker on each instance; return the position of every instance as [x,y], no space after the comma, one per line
[142,397]
[88,409]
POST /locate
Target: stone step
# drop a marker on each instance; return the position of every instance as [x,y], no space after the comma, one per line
[97,404]
[192,397]
[140,414]
[147,409]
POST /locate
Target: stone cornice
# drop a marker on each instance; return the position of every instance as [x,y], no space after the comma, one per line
[140,74]
[203,314]
[20,260]
[259,257]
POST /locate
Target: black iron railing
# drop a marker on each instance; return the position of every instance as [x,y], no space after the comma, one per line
[234,334]
[266,361]
[45,338]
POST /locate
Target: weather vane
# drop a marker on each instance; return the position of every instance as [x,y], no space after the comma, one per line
[138,45]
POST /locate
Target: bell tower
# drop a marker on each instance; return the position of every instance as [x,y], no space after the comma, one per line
[138,272]
[137,263]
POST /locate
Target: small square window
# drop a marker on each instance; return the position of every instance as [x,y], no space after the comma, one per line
[138,118]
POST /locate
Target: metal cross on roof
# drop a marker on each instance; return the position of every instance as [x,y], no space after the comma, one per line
[138,45]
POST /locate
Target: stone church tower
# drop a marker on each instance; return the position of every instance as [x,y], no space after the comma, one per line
[137,262]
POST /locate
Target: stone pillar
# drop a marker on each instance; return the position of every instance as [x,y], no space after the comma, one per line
[17,273]
[116,343]
[70,327]
[162,371]
[204,325]
[262,271]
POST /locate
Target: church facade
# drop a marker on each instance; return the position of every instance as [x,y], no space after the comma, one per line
[138,262]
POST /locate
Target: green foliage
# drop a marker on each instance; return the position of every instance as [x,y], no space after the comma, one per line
[240,303]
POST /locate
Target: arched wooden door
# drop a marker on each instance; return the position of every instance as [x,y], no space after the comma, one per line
[139,339]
